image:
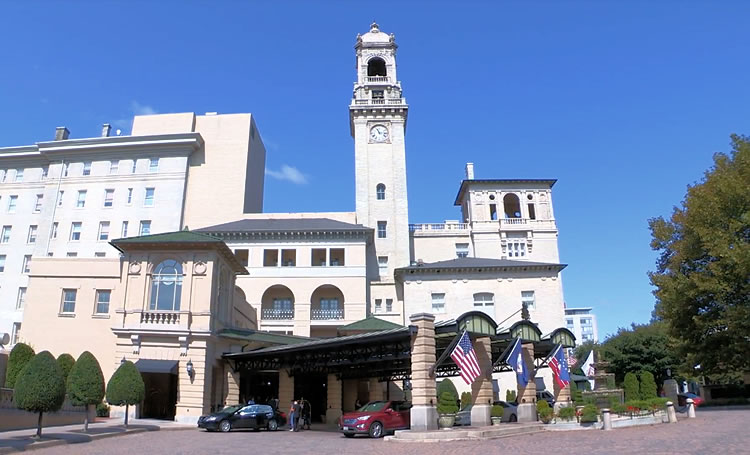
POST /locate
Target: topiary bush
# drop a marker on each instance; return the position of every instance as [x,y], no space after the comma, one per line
[496,411]
[648,386]
[446,385]
[65,362]
[86,383]
[576,394]
[446,404]
[589,413]
[567,413]
[545,412]
[40,387]
[465,400]
[631,387]
[20,355]
[510,396]
[126,387]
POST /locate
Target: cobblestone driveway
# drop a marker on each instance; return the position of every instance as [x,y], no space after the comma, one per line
[726,432]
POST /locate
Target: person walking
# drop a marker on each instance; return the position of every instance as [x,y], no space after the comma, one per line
[291,416]
[306,413]
[297,414]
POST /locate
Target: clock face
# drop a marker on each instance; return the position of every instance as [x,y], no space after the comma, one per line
[379,133]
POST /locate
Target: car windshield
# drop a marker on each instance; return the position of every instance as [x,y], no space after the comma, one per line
[231,409]
[373,406]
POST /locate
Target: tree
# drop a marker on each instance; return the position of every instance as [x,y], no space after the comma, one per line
[631,387]
[86,384]
[446,385]
[66,362]
[641,348]
[581,353]
[40,387]
[126,387]
[648,386]
[19,357]
[704,261]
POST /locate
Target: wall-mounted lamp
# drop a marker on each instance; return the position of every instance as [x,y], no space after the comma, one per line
[189,368]
[122,362]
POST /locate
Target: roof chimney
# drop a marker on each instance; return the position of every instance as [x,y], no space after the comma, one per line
[106,128]
[469,171]
[61,133]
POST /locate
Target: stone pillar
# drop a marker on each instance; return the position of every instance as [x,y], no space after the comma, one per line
[302,319]
[671,389]
[606,419]
[376,390]
[286,391]
[527,395]
[232,386]
[481,389]
[671,414]
[691,408]
[334,399]
[423,387]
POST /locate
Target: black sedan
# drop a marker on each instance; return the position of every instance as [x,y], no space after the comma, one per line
[254,416]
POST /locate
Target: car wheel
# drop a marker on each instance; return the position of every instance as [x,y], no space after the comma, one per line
[272,425]
[513,418]
[225,426]
[349,435]
[376,430]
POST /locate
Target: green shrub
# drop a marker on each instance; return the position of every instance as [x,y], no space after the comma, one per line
[126,387]
[446,385]
[657,403]
[648,385]
[86,383]
[446,404]
[19,357]
[619,408]
[510,396]
[496,411]
[102,410]
[567,413]
[630,385]
[575,394]
[465,400]
[66,362]
[589,413]
[544,411]
[40,387]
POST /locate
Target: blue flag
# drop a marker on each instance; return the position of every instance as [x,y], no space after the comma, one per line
[515,360]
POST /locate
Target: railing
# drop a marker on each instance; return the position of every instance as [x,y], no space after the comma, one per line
[154,317]
[317,314]
[439,227]
[378,79]
[275,314]
[380,101]
[514,220]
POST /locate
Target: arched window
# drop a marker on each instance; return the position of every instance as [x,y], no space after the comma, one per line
[166,286]
[380,189]
[512,206]
[376,67]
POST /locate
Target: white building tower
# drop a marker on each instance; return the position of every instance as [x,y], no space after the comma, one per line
[378,123]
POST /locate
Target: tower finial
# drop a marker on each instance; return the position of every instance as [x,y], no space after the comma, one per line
[374,27]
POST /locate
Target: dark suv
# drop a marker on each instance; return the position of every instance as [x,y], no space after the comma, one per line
[255,416]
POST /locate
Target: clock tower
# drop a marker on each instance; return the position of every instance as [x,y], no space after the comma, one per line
[377,117]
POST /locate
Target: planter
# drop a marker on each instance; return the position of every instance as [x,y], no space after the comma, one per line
[545,419]
[446,421]
[496,420]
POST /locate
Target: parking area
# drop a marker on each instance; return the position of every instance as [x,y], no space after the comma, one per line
[712,432]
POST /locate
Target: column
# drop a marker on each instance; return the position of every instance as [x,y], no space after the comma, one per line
[562,395]
[231,386]
[376,390]
[481,389]
[286,391]
[334,399]
[423,387]
[302,319]
[527,395]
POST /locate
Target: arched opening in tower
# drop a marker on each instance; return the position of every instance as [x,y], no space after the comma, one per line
[376,67]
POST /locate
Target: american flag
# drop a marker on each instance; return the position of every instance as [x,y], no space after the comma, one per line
[466,359]
[559,367]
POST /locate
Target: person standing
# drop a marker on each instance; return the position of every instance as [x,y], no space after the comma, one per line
[297,412]
[291,416]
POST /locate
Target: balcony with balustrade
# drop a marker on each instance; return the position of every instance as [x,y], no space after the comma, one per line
[378,102]
[327,306]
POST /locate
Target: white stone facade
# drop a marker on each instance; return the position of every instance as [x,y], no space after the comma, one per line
[582,322]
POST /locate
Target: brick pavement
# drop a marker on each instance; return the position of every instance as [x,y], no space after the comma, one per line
[723,432]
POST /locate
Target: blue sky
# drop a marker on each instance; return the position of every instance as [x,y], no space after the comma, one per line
[623,101]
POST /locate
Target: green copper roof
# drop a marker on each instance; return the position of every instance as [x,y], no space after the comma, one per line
[370,323]
[263,337]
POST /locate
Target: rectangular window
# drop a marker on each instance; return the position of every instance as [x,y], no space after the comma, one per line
[382,229]
[148,201]
[130,196]
[53,234]
[21,298]
[99,254]
[102,301]
[383,264]
[69,301]
[16,333]
[153,165]
[145,227]
[270,258]
[532,212]
[25,266]
[516,248]
[5,236]
[569,323]
[462,250]
[32,234]
[288,258]
[585,321]
[336,257]
[75,231]
[45,172]
[389,305]
[124,232]
[114,167]
[318,257]
[103,230]
[378,306]
[2,263]
[132,169]
[81,201]
[19,175]
[38,203]
[72,254]
[60,198]
[527,297]
[87,168]
[438,302]
[484,299]
[12,201]
[109,198]
[242,255]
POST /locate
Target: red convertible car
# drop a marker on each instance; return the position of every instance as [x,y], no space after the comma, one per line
[376,418]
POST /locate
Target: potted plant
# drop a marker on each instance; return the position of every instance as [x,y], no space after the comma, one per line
[589,415]
[567,413]
[446,410]
[545,412]
[496,414]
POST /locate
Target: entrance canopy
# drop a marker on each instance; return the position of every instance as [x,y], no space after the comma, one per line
[386,354]
[156,366]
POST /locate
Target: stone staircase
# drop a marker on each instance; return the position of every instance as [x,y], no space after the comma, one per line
[505,430]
